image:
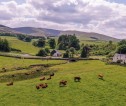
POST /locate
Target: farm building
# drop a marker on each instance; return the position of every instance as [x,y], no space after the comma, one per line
[57,54]
[119,58]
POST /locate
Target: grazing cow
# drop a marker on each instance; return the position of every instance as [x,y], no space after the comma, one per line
[100,76]
[38,70]
[4,69]
[52,74]
[45,85]
[37,87]
[10,83]
[49,78]
[41,85]
[62,83]
[13,75]
[42,78]
[77,79]
[27,73]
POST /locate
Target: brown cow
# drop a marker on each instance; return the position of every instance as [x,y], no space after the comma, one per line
[49,78]
[37,87]
[4,69]
[100,76]
[45,85]
[41,86]
[27,73]
[77,79]
[42,78]
[52,74]
[10,83]
[62,83]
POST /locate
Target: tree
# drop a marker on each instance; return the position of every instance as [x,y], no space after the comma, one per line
[67,41]
[66,55]
[39,43]
[122,42]
[72,50]
[121,49]
[85,52]
[4,45]
[27,39]
[21,36]
[47,50]
[52,43]
[42,53]
[110,42]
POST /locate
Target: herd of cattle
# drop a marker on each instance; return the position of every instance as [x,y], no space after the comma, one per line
[61,83]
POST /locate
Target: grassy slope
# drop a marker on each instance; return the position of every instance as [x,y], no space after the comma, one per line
[25,47]
[90,91]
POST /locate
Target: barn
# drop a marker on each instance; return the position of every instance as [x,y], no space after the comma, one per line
[119,58]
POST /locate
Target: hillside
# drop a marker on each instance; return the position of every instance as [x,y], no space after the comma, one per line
[90,35]
[52,32]
[91,91]
[37,31]
[5,29]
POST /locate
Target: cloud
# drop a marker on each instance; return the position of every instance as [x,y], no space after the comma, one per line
[99,16]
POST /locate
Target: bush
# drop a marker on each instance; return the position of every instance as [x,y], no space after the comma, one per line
[85,52]
[52,43]
[4,45]
[39,43]
[66,55]
[121,49]
[47,50]
[67,41]
[42,53]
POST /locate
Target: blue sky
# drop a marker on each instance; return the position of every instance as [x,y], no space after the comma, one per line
[102,16]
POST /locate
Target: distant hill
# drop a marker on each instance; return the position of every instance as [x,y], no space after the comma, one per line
[5,29]
[91,35]
[52,32]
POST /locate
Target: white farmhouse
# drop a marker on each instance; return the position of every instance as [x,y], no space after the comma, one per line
[57,54]
[119,57]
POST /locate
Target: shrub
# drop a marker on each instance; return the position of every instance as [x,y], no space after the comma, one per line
[42,53]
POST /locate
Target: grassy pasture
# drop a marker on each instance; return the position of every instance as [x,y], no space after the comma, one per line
[25,47]
[91,91]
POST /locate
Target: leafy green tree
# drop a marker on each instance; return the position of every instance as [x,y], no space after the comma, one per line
[72,50]
[85,52]
[42,53]
[27,39]
[66,55]
[121,49]
[4,45]
[21,36]
[67,41]
[122,42]
[39,43]
[47,50]
[52,43]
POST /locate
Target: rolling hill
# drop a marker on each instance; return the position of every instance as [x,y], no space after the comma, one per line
[52,32]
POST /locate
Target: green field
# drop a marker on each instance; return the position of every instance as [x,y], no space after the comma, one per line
[91,91]
[25,47]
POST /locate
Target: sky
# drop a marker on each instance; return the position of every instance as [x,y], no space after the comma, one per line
[101,16]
